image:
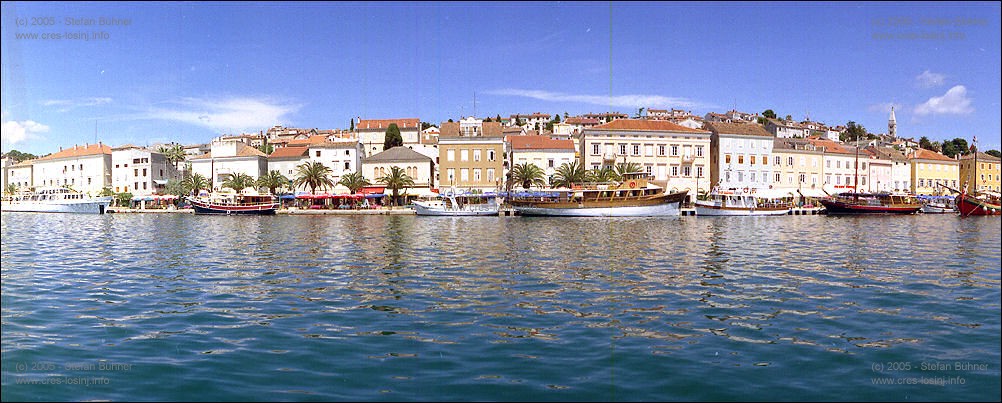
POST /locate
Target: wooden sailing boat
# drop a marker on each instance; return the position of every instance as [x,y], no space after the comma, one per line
[857,202]
[976,202]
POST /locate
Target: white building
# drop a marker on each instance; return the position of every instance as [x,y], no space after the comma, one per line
[546,153]
[786,130]
[229,157]
[19,174]
[880,172]
[532,122]
[83,168]
[417,166]
[286,159]
[739,155]
[342,157]
[676,156]
[840,167]
[140,171]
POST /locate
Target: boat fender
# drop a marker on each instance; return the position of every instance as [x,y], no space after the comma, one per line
[633,184]
[746,190]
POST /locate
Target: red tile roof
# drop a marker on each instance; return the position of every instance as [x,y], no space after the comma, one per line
[539,143]
[929,155]
[832,147]
[289,152]
[317,139]
[747,129]
[383,124]
[583,121]
[79,151]
[647,125]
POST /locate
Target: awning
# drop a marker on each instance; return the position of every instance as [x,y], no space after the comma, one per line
[775,193]
[160,181]
[373,189]
[811,192]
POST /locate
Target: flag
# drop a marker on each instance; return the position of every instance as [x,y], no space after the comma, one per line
[973,143]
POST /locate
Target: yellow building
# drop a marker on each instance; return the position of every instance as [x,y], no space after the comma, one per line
[797,167]
[930,169]
[986,175]
[471,155]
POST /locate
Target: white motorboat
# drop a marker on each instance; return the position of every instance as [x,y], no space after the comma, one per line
[56,200]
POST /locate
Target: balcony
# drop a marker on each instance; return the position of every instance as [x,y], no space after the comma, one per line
[609,157]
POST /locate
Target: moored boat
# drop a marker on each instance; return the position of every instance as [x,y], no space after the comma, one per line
[234,204]
[56,200]
[982,203]
[633,197]
[458,205]
[938,204]
[870,203]
[739,203]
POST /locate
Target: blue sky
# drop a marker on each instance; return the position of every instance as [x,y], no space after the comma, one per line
[187,72]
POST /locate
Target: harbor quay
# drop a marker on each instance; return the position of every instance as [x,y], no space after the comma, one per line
[504,212]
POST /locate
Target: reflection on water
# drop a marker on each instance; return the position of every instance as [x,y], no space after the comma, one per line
[426,308]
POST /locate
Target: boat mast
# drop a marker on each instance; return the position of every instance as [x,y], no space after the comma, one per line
[855,185]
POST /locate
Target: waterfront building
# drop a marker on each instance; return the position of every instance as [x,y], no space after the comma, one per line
[472,155]
[86,169]
[901,172]
[229,157]
[929,168]
[880,171]
[606,117]
[286,159]
[140,171]
[739,155]
[987,176]
[19,174]
[676,156]
[372,133]
[840,162]
[546,153]
[417,166]
[797,167]
[342,157]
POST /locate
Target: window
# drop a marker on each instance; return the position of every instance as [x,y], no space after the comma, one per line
[727,176]
[622,149]
[490,155]
[699,171]
[594,149]
[674,170]
[803,161]
[451,173]
[636,149]
[802,178]
[862,166]
[464,155]
[862,181]
[464,174]
[347,152]
[450,155]
[752,161]
[317,153]
[921,183]
[699,151]
[144,172]
[727,159]
[650,168]
[476,175]
[661,150]
[674,150]
[476,155]
[777,176]
[490,174]
[686,170]
[828,164]
[778,161]
[347,165]
[751,177]
[741,159]
[144,185]
[789,161]
[549,163]
[135,172]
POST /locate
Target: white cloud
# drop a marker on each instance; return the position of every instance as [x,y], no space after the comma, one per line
[65,105]
[16,132]
[622,101]
[233,114]
[929,79]
[954,102]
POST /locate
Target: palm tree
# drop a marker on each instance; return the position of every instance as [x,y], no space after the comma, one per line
[196,182]
[604,174]
[173,154]
[10,189]
[354,182]
[313,174]
[272,180]
[395,180]
[528,174]
[627,168]
[238,181]
[568,174]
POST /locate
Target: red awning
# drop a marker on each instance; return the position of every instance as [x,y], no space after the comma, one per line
[373,190]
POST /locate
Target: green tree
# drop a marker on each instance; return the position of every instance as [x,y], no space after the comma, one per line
[425,125]
[18,156]
[266,148]
[568,174]
[352,127]
[640,113]
[927,144]
[954,147]
[395,180]
[556,118]
[769,114]
[176,187]
[393,138]
[497,118]
[354,182]
[10,189]
[123,199]
[528,174]
[272,180]
[313,174]
[238,181]
[788,118]
[106,191]
[196,182]
[852,132]
[994,153]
